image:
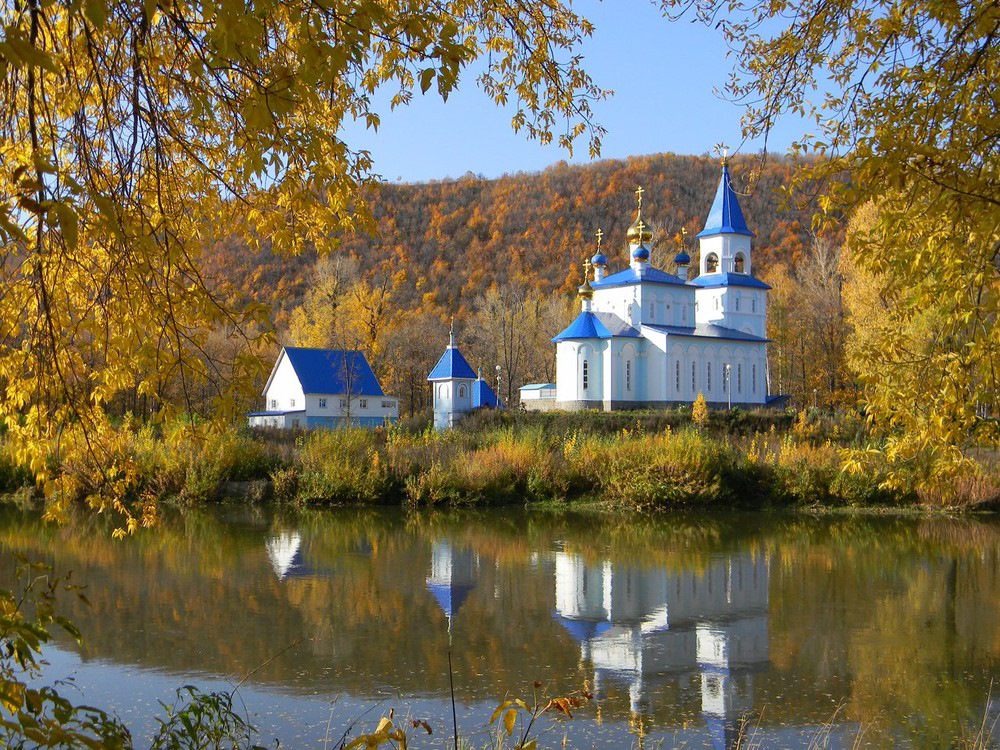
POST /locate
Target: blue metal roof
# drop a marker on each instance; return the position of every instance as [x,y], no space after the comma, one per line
[483,395]
[729,279]
[617,326]
[708,331]
[631,276]
[333,371]
[274,413]
[586,326]
[452,365]
[537,386]
[725,216]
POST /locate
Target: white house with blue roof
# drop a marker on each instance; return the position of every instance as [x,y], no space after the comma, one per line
[646,338]
[323,388]
[458,390]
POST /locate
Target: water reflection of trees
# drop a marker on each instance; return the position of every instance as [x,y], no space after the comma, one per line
[894,617]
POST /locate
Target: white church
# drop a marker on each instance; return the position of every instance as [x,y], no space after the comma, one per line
[646,338]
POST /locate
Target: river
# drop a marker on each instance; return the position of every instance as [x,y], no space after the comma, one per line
[701,631]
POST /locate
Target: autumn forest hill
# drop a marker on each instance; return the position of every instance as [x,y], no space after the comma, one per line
[444,243]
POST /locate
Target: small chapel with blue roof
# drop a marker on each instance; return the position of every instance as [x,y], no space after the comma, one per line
[458,389]
[647,338]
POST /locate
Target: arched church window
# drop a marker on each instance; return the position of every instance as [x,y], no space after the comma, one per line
[461,391]
[586,375]
[677,376]
[693,386]
[753,378]
[628,375]
[738,263]
[711,263]
[739,378]
[708,376]
[753,304]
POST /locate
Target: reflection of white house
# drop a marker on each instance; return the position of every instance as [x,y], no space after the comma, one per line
[648,338]
[635,623]
[454,574]
[323,388]
[284,550]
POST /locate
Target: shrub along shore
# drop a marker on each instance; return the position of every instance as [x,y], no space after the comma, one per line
[638,461]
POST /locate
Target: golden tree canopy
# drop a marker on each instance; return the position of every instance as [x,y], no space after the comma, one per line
[906,117]
[133,133]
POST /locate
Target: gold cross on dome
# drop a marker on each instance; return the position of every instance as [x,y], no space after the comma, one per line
[600,235]
[638,194]
[586,269]
[641,226]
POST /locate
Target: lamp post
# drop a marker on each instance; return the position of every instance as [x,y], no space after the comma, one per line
[729,386]
[815,394]
[498,386]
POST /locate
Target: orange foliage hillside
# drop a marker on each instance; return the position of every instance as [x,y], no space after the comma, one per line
[454,239]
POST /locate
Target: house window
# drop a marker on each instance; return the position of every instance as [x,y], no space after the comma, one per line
[274,403]
[461,391]
[364,403]
[708,376]
[739,378]
[387,404]
[295,423]
[693,386]
[677,376]
[586,378]
[628,375]
[293,402]
[322,403]
[343,403]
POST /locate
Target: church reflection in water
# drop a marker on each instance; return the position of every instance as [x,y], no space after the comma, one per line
[635,624]
[639,624]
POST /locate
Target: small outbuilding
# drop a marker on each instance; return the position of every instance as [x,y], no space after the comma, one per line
[323,388]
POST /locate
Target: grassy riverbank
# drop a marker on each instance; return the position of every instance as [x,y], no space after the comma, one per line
[627,461]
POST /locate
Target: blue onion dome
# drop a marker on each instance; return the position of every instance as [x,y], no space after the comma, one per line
[599,260]
[682,259]
[641,253]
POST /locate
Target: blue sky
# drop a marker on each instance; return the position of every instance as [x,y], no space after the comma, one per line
[665,75]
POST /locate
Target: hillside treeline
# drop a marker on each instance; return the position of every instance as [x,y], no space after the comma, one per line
[501,257]
[455,239]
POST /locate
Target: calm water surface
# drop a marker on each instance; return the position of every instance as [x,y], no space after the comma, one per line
[803,631]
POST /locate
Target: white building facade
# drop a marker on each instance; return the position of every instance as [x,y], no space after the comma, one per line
[323,388]
[646,338]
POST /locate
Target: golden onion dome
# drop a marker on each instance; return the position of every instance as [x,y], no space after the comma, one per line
[585,291]
[634,234]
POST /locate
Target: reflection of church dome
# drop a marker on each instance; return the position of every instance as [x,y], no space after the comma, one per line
[454,573]
[582,630]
